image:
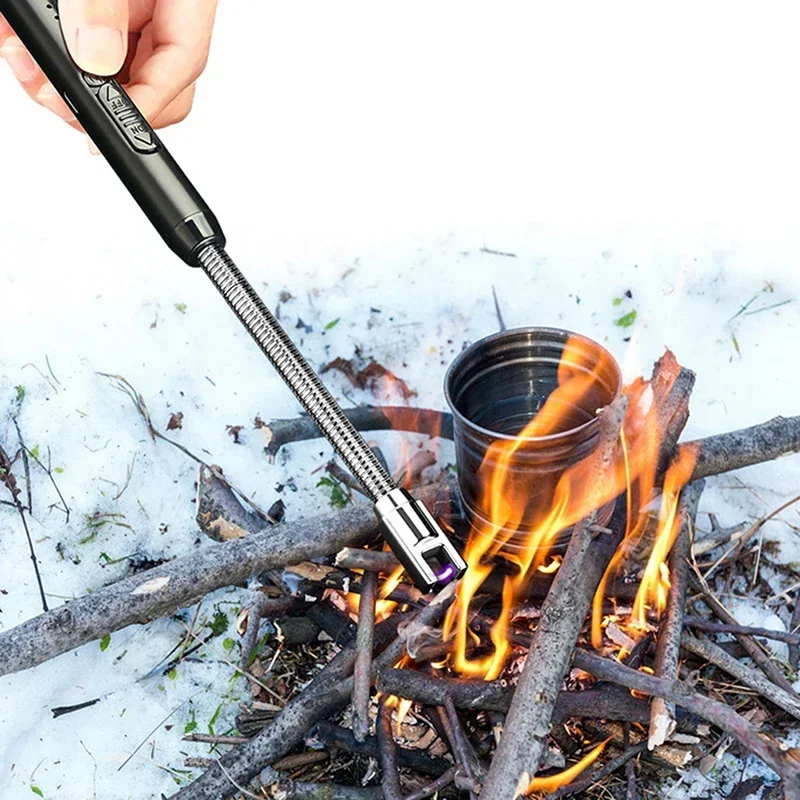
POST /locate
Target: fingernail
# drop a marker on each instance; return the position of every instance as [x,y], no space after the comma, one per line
[19,59]
[99,49]
[92,147]
[51,100]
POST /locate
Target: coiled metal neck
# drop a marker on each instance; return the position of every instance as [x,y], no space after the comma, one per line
[295,370]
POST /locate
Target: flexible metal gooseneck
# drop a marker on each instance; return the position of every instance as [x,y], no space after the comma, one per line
[190,229]
[295,371]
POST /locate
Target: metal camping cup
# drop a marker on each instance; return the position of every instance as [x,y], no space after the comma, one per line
[495,387]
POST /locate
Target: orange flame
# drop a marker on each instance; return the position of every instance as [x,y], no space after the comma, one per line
[653,589]
[507,507]
[576,494]
[550,783]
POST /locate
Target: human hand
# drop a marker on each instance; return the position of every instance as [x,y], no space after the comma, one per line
[158,47]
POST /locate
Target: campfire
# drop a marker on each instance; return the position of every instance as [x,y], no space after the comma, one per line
[581,647]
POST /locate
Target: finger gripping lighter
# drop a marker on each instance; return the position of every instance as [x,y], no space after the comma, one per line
[191,230]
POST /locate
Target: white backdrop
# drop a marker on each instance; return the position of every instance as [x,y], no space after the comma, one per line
[359,155]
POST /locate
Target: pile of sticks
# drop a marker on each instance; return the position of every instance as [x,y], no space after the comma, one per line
[658,707]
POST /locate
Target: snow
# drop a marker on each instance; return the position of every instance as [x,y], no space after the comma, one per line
[366,162]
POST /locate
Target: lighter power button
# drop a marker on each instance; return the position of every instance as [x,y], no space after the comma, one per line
[128,118]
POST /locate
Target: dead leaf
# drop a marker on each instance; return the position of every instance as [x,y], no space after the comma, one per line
[175,421]
[235,430]
[371,376]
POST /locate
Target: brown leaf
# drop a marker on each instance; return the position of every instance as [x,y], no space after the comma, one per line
[175,421]
[371,376]
[235,430]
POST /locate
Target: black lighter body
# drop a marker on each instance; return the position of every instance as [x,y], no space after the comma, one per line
[129,144]
[186,223]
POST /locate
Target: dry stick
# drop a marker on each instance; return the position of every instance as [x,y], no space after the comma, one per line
[459,744]
[365,418]
[668,643]
[7,478]
[434,787]
[387,752]
[716,454]
[776,755]
[161,591]
[600,702]
[255,607]
[765,633]
[327,693]
[335,737]
[368,560]
[528,723]
[363,667]
[598,774]
[631,793]
[794,649]
[211,738]
[164,589]
[138,401]
[733,552]
[743,448]
[304,790]
[753,648]
[702,648]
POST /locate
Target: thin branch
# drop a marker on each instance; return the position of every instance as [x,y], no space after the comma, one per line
[330,690]
[703,648]
[753,648]
[180,583]
[777,756]
[138,401]
[668,642]
[7,478]
[387,751]
[789,638]
[603,772]
[363,666]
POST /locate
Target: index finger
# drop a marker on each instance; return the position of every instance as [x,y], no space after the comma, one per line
[180,33]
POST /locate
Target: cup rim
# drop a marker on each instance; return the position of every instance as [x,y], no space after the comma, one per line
[511,332]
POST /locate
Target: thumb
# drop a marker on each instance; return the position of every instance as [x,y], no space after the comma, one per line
[96,33]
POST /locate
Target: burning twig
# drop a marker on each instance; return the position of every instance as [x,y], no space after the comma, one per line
[776,755]
[328,692]
[280,432]
[363,667]
[707,650]
[387,752]
[662,714]
[528,723]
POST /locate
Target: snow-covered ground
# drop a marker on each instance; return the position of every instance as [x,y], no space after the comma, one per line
[363,162]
